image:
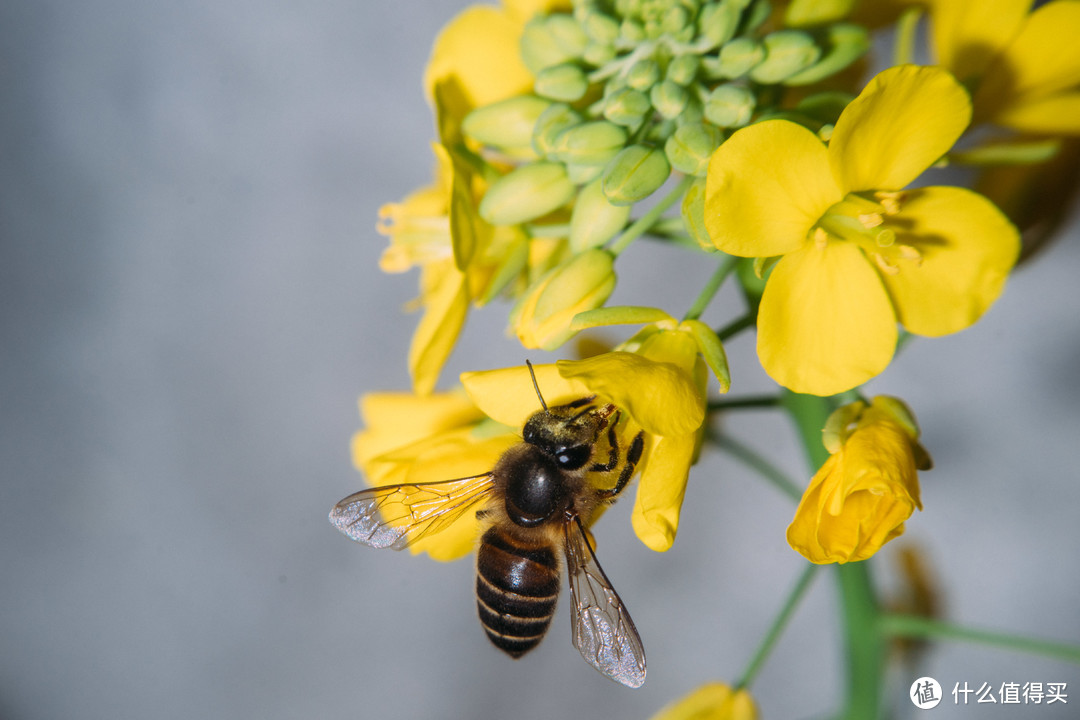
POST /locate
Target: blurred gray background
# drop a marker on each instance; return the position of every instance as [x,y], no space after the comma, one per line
[191,307]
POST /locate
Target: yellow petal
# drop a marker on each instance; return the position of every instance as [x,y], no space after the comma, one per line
[1057,114]
[711,701]
[508,396]
[767,185]
[393,420]
[660,396]
[445,309]
[825,324]
[968,35]
[1043,59]
[522,10]
[479,48]
[902,122]
[661,490]
[967,247]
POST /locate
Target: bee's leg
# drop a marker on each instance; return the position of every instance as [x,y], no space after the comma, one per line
[613,453]
[633,455]
[580,402]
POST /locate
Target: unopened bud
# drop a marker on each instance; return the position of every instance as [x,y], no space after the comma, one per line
[554,120]
[718,22]
[634,174]
[627,107]
[583,174]
[787,52]
[542,318]
[730,106]
[600,27]
[683,69]
[591,143]
[507,124]
[565,82]
[643,74]
[691,146]
[737,58]
[844,45]
[526,193]
[595,220]
[631,31]
[669,98]
[599,54]
[551,40]
[810,13]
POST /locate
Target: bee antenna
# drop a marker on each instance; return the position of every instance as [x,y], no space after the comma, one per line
[532,374]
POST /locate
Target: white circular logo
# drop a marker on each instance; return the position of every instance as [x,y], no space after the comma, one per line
[925,693]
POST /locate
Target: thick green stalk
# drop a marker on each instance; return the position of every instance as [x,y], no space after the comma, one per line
[922,627]
[864,643]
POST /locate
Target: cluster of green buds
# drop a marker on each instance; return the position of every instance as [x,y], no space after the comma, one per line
[628,90]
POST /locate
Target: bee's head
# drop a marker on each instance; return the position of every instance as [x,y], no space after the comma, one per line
[567,433]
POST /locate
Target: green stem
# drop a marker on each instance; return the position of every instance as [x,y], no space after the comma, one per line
[864,643]
[750,401]
[778,625]
[760,465]
[922,627]
[736,326]
[711,288]
[646,221]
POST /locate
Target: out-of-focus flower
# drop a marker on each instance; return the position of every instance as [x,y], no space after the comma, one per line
[711,701]
[868,487]
[409,438]
[857,252]
[660,387]
[1024,65]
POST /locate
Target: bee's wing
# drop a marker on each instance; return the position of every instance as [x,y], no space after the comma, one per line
[603,631]
[396,516]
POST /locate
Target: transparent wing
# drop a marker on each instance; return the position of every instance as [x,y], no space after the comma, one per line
[603,631]
[396,516]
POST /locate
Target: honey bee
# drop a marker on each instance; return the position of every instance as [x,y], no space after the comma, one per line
[536,500]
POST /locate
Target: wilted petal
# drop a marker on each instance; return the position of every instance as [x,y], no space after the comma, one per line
[445,308]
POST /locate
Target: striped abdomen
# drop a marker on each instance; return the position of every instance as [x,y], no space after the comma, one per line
[517,584]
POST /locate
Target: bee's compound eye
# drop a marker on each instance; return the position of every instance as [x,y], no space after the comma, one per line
[573,457]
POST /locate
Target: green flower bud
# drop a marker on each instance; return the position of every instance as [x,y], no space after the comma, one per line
[691,146]
[737,58]
[551,40]
[718,22]
[526,193]
[564,82]
[643,74]
[844,45]
[672,20]
[631,31]
[693,215]
[808,13]
[787,52]
[554,120]
[757,12]
[591,143]
[583,174]
[730,106]
[507,124]
[595,220]
[669,98]
[542,317]
[634,174]
[683,69]
[600,27]
[599,54]
[825,107]
[627,107]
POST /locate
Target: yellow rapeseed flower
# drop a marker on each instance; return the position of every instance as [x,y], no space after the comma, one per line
[711,701]
[1023,64]
[868,487]
[858,253]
